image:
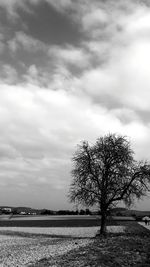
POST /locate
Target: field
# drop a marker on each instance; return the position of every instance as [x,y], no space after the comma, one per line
[55,221]
[127,244]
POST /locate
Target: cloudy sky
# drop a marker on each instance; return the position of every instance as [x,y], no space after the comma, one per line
[70,70]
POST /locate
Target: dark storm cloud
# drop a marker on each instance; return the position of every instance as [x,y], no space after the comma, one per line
[51,27]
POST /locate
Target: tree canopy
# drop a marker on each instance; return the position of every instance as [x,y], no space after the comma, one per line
[106,172]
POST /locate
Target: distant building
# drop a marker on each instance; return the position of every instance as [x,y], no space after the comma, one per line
[7,209]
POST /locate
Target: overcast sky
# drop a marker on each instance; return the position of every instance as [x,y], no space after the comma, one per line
[70,70]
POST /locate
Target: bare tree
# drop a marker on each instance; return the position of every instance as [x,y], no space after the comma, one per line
[106,173]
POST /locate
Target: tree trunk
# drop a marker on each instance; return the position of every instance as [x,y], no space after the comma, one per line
[103,224]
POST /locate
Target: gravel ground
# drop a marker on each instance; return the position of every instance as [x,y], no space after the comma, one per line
[21,251]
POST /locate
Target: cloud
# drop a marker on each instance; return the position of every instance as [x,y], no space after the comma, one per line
[120,71]
[9,74]
[11,7]
[94,19]
[28,43]
[60,5]
[125,79]
[69,55]
[2,45]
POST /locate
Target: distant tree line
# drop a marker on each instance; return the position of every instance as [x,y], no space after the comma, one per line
[23,211]
[66,212]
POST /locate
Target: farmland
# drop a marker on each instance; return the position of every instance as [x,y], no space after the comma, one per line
[26,246]
[56,221]
[127,244]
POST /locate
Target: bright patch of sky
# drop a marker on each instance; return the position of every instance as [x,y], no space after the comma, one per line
[69,71]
